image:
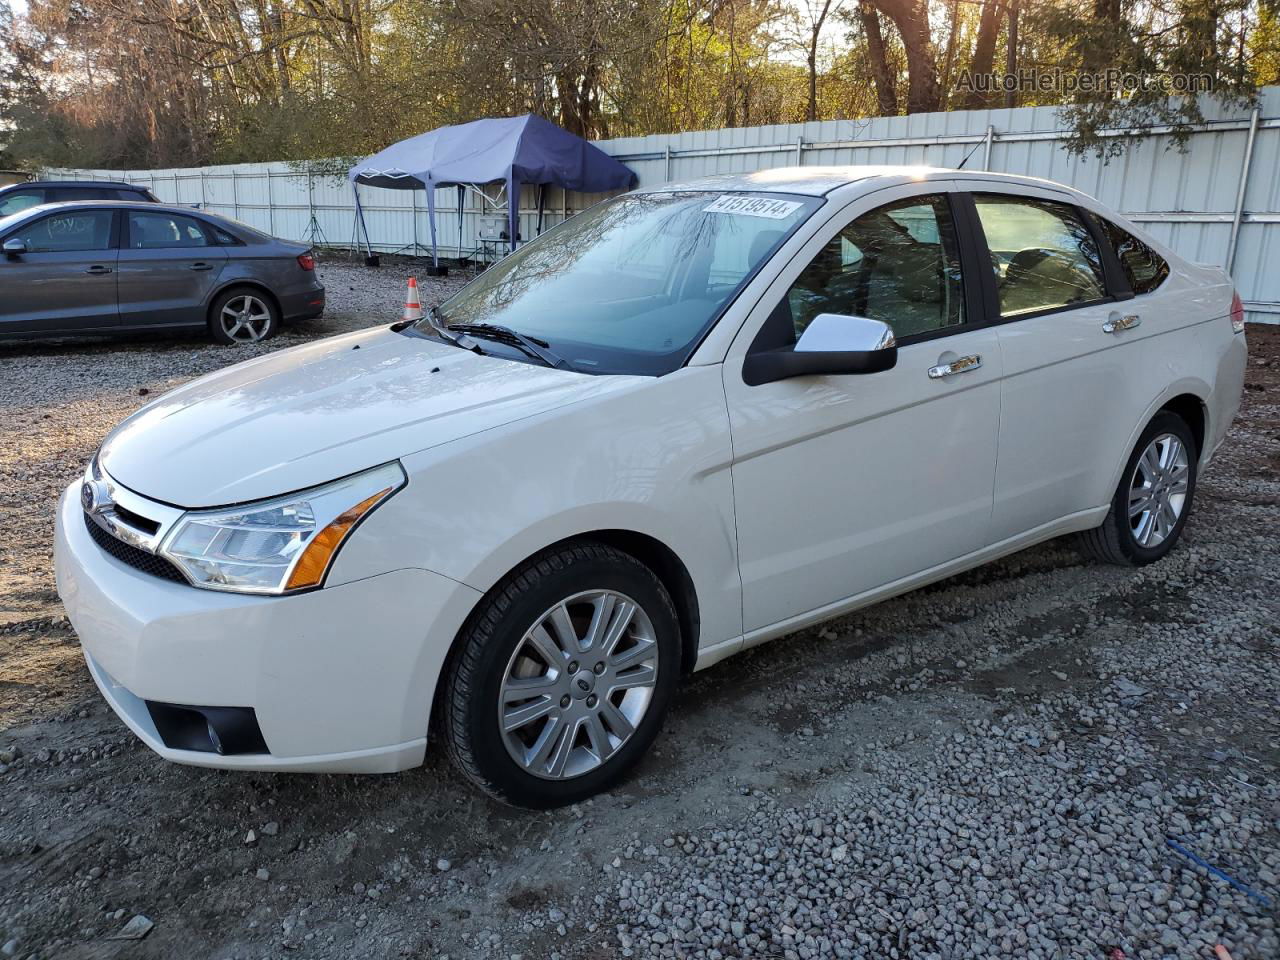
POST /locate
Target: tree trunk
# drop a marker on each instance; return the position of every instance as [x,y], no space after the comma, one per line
[815,32]
[1011,54]
[881,77]
[984,51]
[912,20]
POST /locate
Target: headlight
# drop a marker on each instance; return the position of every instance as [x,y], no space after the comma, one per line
[279,545]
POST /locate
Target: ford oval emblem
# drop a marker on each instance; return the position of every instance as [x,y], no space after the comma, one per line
[94,496]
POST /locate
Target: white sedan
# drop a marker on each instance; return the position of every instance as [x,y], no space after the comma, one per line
[682,423]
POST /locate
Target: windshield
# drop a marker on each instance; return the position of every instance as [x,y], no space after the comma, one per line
[630,285]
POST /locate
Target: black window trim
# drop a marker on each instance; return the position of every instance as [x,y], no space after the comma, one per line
[991,295]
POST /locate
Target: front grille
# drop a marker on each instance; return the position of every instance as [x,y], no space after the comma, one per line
[138,559]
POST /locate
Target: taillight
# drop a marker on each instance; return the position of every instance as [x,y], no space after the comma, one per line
[1237,314]
[306,261]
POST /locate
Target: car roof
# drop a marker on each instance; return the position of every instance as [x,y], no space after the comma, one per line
[110,184]
[820,181]
[122,205]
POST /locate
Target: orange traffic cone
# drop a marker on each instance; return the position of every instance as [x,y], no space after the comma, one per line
[412,303]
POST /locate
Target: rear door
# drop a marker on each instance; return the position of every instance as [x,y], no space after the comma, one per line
[66,279]
[1050,292]
[169,265]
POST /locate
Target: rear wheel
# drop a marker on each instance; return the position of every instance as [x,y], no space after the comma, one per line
[241,316]
[1154,498]
[563,677]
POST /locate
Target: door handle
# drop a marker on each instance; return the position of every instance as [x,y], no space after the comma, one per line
[1116,324]
[202,266]
[960,365]
[98,270]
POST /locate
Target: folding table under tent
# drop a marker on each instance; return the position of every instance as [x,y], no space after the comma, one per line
[508,150]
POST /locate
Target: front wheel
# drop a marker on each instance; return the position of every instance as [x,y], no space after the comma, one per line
[562,677]
[1153,501]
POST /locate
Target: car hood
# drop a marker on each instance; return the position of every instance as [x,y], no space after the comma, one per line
[310,414]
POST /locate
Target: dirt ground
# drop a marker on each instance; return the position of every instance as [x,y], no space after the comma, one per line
[95,829]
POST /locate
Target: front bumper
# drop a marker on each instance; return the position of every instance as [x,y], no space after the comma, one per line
[340,679]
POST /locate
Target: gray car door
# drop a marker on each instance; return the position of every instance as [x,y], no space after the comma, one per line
[169,265]
[65,279]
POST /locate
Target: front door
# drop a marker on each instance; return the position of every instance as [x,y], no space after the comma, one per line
[843,484]
[169,265]
[65,281]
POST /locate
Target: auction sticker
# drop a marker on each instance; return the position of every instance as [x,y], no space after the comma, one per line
[753,206]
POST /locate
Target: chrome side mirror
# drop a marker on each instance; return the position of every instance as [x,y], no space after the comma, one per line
[840,333]
[832,343]
[14,248]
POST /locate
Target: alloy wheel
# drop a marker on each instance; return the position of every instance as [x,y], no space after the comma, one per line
[245,319]
[1158,490]
[578,684]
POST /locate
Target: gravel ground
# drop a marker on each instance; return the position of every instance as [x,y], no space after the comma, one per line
[997,765]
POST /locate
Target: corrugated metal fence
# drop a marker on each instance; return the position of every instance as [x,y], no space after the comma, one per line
[1217,201]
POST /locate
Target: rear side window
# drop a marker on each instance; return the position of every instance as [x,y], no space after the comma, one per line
[1043,255]
[1143,267]
[19,200]
[151,231]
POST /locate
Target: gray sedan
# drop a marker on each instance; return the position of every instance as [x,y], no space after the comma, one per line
[92,267]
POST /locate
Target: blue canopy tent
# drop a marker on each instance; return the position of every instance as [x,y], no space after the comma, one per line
[508,150]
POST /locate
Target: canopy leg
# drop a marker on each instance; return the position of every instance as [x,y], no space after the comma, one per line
[513,210]
[436,270]
[462,199]
[542,205]
[370,258]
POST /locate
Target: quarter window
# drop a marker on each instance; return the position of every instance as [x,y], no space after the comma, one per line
[68,232]
[149,231]
[1143,267]
[897,263]
[1042,253]
[18,200]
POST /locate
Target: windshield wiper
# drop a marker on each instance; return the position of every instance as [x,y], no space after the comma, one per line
[539,349]
[441,330]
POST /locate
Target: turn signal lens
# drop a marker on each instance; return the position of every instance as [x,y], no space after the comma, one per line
[1237,314]
[274,546]
[306,261]
[313,563]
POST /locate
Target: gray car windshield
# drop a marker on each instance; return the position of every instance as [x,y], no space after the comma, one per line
[632,284]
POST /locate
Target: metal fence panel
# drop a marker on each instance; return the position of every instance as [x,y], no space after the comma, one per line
[1198,200]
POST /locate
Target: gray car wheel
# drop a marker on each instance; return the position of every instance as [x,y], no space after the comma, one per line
[243,316]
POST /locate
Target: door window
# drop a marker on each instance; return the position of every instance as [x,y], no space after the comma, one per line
[898,263]
[1143,267]
[67,232]
[152,231]
[19,200]
[1043,255]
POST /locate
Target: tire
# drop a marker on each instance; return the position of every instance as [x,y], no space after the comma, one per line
[1120,538]
[260,321]
[501,652]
